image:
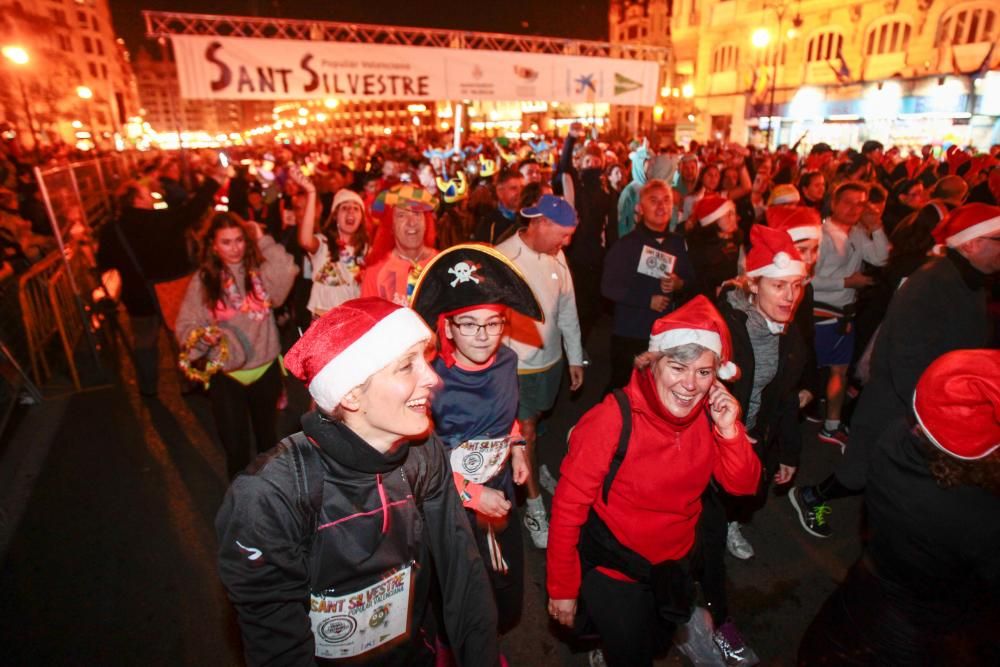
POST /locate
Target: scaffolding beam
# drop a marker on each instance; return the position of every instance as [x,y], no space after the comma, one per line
[165,24]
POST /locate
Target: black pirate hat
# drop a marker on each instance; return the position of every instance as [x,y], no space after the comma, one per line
[468,275]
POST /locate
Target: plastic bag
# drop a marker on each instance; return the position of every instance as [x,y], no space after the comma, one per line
[694,640]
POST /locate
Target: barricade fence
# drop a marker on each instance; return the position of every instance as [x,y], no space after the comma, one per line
[47,312]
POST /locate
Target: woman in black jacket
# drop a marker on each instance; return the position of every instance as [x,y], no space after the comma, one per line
[759,309]
[327,541]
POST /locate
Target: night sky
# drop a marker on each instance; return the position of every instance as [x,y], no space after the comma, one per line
[584,19]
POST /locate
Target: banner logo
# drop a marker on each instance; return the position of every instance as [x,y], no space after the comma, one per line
[585,82]
[623,84]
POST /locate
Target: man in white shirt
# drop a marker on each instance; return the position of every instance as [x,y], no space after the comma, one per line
[850,237]
[537,252]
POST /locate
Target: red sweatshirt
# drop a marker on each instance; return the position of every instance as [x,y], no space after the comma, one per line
[655,501]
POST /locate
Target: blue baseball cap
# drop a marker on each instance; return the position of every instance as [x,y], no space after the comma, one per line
[554,208]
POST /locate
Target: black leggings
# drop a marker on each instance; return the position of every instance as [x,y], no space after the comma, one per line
[624,613]
[242,411]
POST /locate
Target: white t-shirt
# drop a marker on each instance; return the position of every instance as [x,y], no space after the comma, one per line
[334,278]
[550,280]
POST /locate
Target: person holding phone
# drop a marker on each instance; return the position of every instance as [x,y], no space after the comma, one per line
[629,494]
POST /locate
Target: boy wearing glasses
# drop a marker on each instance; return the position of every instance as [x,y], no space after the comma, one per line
[464,294]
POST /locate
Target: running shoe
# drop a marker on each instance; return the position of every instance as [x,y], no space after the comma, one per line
[836,437]
[734,649]
[538,528]
[738,545]
[812,516]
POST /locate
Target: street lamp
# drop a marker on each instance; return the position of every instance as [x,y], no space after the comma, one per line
[19,56]
[761,38]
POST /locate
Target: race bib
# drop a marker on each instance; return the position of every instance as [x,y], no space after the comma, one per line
[355,623]
[479,461]
[655,263]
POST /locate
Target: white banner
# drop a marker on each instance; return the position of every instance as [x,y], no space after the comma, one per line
[243,68]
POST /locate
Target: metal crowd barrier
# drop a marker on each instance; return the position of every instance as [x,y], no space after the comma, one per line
[54,299]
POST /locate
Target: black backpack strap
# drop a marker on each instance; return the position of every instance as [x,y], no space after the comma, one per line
[308,470]
[623,438]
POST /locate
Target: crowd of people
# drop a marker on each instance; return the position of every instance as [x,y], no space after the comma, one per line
[434,300]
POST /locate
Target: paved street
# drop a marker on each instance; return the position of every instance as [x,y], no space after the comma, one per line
[107,504]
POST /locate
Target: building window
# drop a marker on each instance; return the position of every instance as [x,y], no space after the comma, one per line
[892,36]
[969,23]
[93,24]
[88,46]
[81,18]
[93,69]
[100,47]
[724,58]
[633,32]
[104,71]
[824,46]
[65,43]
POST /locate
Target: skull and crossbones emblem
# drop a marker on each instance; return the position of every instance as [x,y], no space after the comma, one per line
[463,272]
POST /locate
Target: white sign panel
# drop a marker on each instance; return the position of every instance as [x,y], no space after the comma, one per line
[243,68]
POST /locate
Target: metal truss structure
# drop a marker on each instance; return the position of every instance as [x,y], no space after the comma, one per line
[165,24]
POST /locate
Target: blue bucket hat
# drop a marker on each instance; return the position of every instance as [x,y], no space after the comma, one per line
[556,209]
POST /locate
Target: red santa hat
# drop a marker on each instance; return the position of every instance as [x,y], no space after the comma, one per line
[710,208]
[351,343]
[966,223]
[773,255]
[957,403]
[799,222]
[699,322]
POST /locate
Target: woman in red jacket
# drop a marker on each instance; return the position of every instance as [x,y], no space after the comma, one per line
[629,495]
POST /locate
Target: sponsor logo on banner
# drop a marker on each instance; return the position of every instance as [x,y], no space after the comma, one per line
[525,73]
[477,87]
[585,82]
[623,84]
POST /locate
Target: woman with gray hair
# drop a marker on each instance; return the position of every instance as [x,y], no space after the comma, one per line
[629,497]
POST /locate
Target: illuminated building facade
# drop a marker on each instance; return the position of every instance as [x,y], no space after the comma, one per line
[78,78]
[905,72]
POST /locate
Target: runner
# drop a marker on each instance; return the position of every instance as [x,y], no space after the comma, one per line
[464,293]
[327,541]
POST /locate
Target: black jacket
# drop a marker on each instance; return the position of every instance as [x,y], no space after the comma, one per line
[941,307]
[376,513]
[777,427]
[493,227]
[632,291]
[158,241]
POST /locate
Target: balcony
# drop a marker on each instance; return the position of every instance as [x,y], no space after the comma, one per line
[821,72]
[884,66]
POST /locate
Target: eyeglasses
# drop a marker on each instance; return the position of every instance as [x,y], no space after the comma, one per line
[470,329]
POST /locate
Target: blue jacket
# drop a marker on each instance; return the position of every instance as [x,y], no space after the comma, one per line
[632,291]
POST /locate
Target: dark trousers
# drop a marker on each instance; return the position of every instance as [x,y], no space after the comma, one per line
[623,353]
[243,410]
[624,613]
[710,553]
[146,351]
[508,589]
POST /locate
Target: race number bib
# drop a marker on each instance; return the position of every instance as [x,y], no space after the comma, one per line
[655,263]
[479,461]
[355,623]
